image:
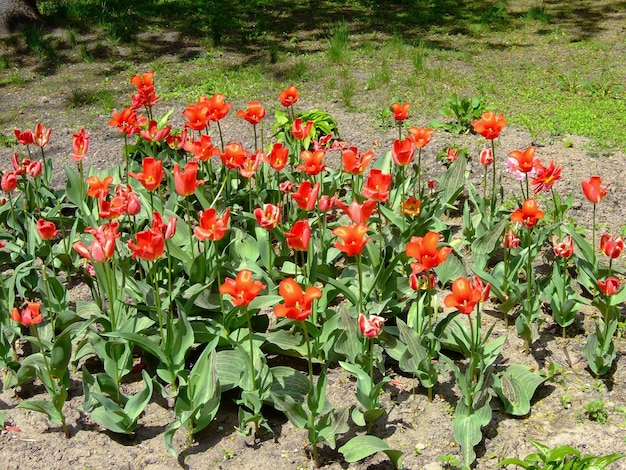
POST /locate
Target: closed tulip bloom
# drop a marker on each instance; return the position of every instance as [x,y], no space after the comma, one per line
[254,113]
[299,236]
[609,286]
[243,289]
[151,175]
[355,162]
[420,136]
[306,195]
[46,229]
[593,190]
[486,156]
[611,246]
[42,135]
[211,226]
[186,181]
[402,152]
[297,303]
[463,297]
[510,240]
[564,248]
[528,215]
[372,326]
[103,246]
[278,156]
[80,144]
[268,217]
[150,245]
[288,97]
[424,250]
[478,284]
[29,316]
[377,186]
[9,181]
[353,238]
[489,125]
[400,111]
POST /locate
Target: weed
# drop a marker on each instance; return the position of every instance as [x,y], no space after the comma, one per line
[566,401]
[570,82]
[347,92]
[5,62]
[596,411]
[296,71]
[15,78]
[463,110]
[338,43]
[449,460]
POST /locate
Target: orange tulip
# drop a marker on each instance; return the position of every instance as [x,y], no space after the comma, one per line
[197,115]
[353,238]
[299,131]
[420,136]
[528,215]
[243,289]
[358,213]
[402,151]
[424,250]
[489,125]
[525,160]
[234,155]
[355,162]
[217,106]
[278,156]
[377,186]
[288,97]
[126,122]
[98,188]
[42,135]
[211,226]
[267,217]
[80,144]
[313,162]
[254,113]
[400,111]
[186,181]
[412,206]
[306,195]
[463,297]
[297,305]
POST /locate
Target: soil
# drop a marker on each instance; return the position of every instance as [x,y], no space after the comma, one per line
[420,429]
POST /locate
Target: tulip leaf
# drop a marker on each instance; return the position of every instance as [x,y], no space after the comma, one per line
[360,447]
[230,365]
[453,180]
[42,406]
[467,429]
[288,381]
[516,387]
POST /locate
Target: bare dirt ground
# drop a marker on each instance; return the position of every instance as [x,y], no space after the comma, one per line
[420,429]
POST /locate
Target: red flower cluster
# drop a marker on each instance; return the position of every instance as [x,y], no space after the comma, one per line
[144,86]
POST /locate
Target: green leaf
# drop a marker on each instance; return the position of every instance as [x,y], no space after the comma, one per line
[43,406]
[516,387]
[451,269]
[287,341]
[361,447]
[61,354]
[136,404]
[467,429]
[453,180]
[230,365]
[143,342]
[288,381]
[487,242]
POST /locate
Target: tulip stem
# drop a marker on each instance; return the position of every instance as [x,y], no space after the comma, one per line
[493,178]
[360,271]
[312,413]
[251,342]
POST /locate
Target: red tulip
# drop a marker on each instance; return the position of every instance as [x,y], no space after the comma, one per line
[29,316]
[300,132]
[299,236]
[377,186]
[254,113]
[288,97]
[326,203]
[484,289]
[126,122]
[150,245]
[201,149]
[420,136]
[47,230]
[372,326]
[168,230]
[154,134]
[145,95]
[306,196]
[9,181]
[80,144]
[151,175]
[609,286]
[611,246]
[402,152]
[197,115]
[424,250]
[24,138]
[177,141]
[412,206]
[217,106]
[250,164]
[358,213]
[243,289]
[592,190]
[355,162]
[400,111]
[486,156]
[186,181]
[489,125]
[297,305]
[463,297]
[268,217]
[528,215]
[98,188]
[452,153]
[211,226]
[353,238]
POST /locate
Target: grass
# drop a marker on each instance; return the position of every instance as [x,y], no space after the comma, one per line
[541,64]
